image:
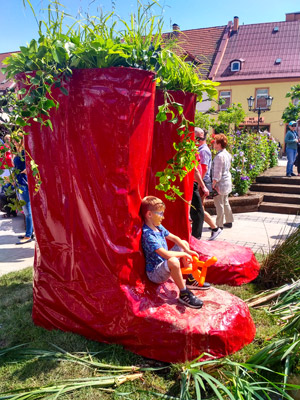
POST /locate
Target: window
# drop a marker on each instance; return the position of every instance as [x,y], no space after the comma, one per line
[261,98]
[225,95]
[235,66]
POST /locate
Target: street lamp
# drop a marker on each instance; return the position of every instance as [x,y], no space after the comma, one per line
[259,110]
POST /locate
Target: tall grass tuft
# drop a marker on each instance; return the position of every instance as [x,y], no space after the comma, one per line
[283,263]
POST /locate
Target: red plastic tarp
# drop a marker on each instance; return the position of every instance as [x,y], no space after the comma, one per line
[164,135]
[89,273]
[236,265]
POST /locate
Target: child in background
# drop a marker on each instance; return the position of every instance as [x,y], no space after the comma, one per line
[162,263]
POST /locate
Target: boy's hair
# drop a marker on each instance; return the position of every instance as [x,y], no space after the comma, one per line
[222,140]
[151,203]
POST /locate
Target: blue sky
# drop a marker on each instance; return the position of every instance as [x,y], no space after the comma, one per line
[18,26]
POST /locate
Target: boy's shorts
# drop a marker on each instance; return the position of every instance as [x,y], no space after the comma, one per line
[161,273]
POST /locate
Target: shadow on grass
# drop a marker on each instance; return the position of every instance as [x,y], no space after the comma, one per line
[17,327]
[33,369]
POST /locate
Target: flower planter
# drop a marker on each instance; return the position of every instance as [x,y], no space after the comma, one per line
[89,268]
[247,203]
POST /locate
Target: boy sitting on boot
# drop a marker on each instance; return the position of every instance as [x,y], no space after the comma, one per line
[162,263]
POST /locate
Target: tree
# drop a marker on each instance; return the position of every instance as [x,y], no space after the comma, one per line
[292,111]
[227,120]
[234,115]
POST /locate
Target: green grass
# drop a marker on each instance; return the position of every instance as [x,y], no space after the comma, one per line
[17,328]
[282,265]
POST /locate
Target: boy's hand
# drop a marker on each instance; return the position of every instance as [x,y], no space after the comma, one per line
[192,253]
[187,256]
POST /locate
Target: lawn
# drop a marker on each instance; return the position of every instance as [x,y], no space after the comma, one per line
[20,369]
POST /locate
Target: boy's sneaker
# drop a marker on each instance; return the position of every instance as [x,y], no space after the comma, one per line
[187,298]
[191,283]
[228,225]
[215,233]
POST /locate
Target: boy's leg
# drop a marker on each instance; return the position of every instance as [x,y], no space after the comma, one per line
[186,297]
[178,248]
[191,282]
[160,274]
[174,266]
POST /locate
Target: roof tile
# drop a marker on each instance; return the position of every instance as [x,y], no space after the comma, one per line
[199,44]
[260,47]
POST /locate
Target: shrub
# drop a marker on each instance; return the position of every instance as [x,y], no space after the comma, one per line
[96,42]
[282,264]
[252,153]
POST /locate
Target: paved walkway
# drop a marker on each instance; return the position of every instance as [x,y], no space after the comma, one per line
[258,230]
[13,257]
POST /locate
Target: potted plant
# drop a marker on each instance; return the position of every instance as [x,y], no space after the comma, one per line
[86,101]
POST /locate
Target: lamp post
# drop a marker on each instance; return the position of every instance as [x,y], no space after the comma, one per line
[259,110]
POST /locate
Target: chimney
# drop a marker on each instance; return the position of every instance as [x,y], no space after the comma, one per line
[235,24]
[295,16]
[176,28]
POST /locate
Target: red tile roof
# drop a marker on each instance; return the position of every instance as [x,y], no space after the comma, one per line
[200,45]
[260,46]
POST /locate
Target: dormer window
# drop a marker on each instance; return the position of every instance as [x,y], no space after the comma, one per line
[235,65]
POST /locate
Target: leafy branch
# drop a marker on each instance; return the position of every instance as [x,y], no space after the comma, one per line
[184,160]
[47,64]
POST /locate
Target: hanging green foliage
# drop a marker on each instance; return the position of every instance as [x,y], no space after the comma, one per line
[95,42]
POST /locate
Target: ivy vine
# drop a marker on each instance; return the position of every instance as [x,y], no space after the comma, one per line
[48,63]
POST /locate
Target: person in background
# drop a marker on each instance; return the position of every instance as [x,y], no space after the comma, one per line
[205,161]
[221,181]
[291,140]
[22,187]
[196,210]
[297,161]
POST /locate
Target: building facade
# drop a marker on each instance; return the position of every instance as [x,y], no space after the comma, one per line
[257,60]
[260,60]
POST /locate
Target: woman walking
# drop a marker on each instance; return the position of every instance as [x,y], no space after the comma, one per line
[221,182]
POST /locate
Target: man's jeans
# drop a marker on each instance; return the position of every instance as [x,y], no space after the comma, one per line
[26,209]
[291,156]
